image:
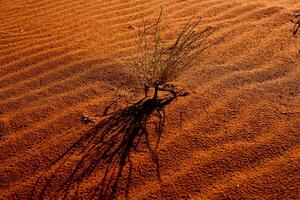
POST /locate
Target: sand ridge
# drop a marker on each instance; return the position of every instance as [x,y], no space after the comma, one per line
[235,136]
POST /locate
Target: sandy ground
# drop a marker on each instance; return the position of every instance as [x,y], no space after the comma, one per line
[235,136]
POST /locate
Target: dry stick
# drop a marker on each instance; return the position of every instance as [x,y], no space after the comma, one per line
[156,35]
[157,62]
[145,43]
[296,27]
[296,21]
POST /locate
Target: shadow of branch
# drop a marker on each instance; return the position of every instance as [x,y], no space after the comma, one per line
[106,151]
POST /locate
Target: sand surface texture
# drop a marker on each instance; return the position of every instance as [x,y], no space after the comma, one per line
[235,136]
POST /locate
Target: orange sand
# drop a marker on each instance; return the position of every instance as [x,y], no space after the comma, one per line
[235,136]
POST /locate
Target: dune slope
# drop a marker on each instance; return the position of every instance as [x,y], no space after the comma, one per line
[235,136]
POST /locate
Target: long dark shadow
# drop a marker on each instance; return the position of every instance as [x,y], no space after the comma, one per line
[105,152]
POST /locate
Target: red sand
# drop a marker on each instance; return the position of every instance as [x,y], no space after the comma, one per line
[236,136]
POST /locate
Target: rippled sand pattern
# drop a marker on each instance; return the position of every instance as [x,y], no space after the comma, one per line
[235,136]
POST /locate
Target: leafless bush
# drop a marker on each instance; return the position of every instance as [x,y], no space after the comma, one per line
[158,62]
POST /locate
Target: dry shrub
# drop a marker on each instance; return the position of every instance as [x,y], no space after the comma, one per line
[158,62]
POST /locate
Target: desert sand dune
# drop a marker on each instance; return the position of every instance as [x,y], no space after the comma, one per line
[235,136]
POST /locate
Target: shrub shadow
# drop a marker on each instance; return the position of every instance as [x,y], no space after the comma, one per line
[105,152]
